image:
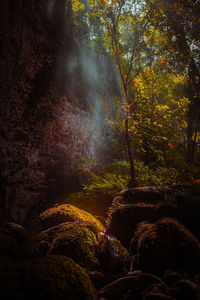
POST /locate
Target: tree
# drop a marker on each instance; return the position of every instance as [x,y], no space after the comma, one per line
[180,20]
[157,64]
[123,27]
[159,120]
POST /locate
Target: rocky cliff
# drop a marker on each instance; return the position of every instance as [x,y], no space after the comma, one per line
[44,124]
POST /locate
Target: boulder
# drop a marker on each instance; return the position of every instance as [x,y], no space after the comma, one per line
[170,277]
[100,279]
[11,237]
[167,244]
[156,288]
[185,289]
[141,228]
[149,204]
[77,240]
[16,231]
[112,255]
[34,247]
[129,287]
[157,296]
[66,213]
[53,277]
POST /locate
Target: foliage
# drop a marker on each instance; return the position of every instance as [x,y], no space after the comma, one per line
[115,177]
[155,119]
[180,22]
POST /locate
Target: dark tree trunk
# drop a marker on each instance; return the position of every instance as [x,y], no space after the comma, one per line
[193,116]
[132,183]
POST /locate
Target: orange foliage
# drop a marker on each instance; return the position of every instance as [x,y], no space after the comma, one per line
[164,60]
[109,2]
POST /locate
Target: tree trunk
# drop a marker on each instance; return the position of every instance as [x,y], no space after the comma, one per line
[132,183]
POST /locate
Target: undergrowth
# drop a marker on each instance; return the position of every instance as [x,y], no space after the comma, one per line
[115,177]
[107,181]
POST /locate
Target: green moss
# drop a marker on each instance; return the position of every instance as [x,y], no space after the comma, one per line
[79,242]
[81,239]
[94,202]
[66,213]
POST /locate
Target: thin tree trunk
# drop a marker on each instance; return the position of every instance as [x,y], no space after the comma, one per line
[131,161]
[132,183]
[191,142]
[124,82]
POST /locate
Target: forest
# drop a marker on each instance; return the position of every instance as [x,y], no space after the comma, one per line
[144,65]
[100,149]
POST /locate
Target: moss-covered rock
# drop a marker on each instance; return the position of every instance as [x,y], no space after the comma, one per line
[170,277]
[66,213]
[112,255]
[141,228]
[75,239]
[185,289]
[149,204]
[78,241]
[168,244]
[52,277]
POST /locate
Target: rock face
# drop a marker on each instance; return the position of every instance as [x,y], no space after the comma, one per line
[149,204]
[44,125]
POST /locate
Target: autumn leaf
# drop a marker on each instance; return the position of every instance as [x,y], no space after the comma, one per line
[171,146]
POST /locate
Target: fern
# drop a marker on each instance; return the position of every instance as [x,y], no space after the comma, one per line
[115,177]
